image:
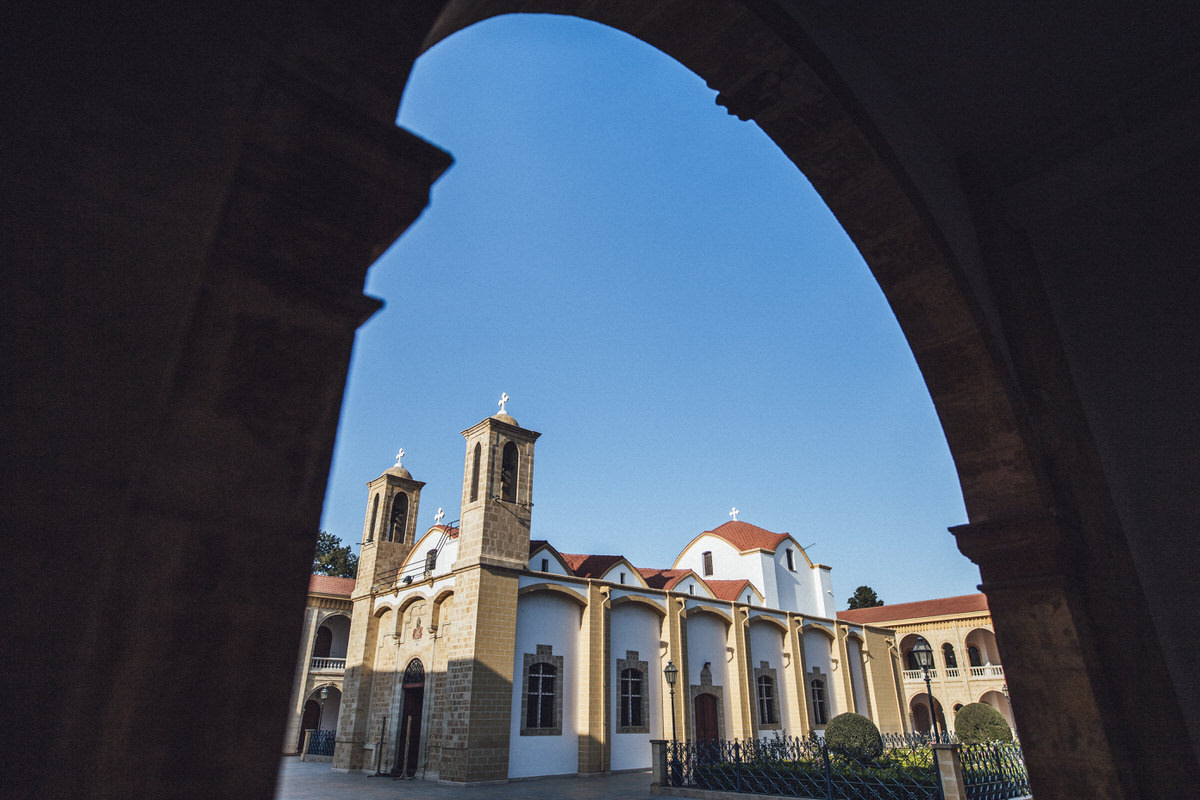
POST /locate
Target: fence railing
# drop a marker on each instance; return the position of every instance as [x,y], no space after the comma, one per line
[802,768]
[909,767]
[994,771]
[328,664]
[320,743]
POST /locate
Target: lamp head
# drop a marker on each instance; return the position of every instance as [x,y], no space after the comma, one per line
[671,672]
[923,653]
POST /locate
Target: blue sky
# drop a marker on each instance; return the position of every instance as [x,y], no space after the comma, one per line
[665,298]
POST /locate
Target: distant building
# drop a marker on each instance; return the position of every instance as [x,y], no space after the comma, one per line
[321,662]
[967,665]
[476,653]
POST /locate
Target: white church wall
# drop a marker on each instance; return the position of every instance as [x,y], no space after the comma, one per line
[854,654]
[818,654]
[634,627]
[547,619]
[545,561]
[707,640]
[766,644]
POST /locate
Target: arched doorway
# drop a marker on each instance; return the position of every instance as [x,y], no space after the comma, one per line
[310,720]
[705,707]
[412,704]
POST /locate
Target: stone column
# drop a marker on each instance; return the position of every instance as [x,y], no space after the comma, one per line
[740,683]
[595,697]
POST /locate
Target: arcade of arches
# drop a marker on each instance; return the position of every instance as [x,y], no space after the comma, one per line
[191,200]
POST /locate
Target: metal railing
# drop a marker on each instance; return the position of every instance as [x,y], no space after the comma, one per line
[327,664]
[798,767]
[386,580]
[994,771]
[320,743]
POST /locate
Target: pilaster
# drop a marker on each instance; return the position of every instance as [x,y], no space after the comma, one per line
[740,685]
[797,674]
[595,690]
[675,631]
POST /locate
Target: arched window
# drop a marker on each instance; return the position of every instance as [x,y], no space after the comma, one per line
[414,675]
[508,473]
[475,474]
[398,523]
[374,514]
[323,643]
[767,715]
[631,699]
[973,656]
[820,712]
[540,712]
[949,657]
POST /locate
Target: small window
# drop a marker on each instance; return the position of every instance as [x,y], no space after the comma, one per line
[707,556]
[374,514]
[767,714]
[541,698]
[747,599]
[622,577]
[430,560]
[545,565]
[691,588]
[791,559]
[949,657]
[820,712]
[475,474]
[974,657]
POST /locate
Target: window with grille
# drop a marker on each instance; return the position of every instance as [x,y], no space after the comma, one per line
[540,710]
[767,714]
[632,713]
[820,712]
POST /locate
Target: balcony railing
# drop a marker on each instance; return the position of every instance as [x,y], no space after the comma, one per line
[988,671]
[328,665]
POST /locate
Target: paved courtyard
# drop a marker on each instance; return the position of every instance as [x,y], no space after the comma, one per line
[299,780]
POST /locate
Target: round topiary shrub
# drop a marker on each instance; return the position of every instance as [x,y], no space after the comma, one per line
[979,722]
[853,733]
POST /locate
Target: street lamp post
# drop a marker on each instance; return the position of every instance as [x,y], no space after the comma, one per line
[671,673]
[324,697]
[924,655]
[1011,715]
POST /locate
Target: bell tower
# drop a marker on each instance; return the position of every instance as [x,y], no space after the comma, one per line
[389,533]
[390,526]
[493,549]
[497,500]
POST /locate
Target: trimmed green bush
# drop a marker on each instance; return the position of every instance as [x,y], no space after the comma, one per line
[853,733]
[979,722]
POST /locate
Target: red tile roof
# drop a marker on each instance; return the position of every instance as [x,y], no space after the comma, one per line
[327,584]
[450,532]
[585,566]
[963,604]
[728,589]
[745,536]
[662,578]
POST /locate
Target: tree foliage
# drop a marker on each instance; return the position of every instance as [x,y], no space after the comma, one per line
[979,722]
[855,734]
[333,558]
[864,597]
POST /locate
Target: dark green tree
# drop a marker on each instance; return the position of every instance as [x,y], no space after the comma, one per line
[864,597]
[332,558]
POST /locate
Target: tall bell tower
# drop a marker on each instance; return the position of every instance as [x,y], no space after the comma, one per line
[497,500]
[389,533]
[493,548]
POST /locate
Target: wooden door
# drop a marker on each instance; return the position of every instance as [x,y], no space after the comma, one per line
[706,717]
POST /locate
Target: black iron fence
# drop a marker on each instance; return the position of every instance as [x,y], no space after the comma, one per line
[994,771]
[320,743]
[905,769]
[803,768]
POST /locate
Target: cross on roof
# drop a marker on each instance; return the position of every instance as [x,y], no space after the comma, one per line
[399,455]
[437,518]
[733,512]
[503,399]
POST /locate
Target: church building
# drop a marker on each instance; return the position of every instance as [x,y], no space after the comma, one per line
[477,653]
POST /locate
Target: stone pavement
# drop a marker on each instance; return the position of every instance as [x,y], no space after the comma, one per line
[302,780]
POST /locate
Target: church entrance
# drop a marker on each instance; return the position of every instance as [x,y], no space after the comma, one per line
[412,704]
[706,717]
